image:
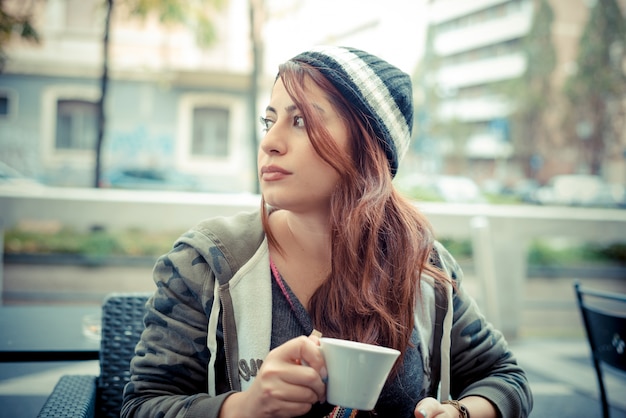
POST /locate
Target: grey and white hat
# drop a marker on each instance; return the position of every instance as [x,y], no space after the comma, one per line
[377,88]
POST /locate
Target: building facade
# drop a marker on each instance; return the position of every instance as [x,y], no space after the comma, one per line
[171,107]
[477,46]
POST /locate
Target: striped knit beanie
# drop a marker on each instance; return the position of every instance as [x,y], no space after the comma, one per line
[377,88]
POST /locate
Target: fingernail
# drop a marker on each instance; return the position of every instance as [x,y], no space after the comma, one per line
[324,375]
[424,414]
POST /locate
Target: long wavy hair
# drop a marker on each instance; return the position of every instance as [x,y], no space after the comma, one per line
[380,242]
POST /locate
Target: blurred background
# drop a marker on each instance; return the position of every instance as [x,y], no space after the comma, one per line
[125,122]
[122,121]
[516,100]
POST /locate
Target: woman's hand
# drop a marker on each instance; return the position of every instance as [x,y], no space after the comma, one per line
[430,408]
[284,386]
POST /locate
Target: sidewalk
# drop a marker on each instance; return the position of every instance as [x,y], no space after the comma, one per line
[563,380]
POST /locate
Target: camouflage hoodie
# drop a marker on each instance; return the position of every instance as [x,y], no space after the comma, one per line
[210,319]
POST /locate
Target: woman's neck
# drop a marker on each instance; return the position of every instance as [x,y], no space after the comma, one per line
[303,235]
[304,256]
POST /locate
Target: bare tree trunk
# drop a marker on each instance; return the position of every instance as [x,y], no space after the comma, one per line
[256,24]
[104,80]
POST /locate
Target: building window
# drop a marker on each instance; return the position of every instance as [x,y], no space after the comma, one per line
[4,105]
[211,135]
[210,132]
[7,104]
[76,125]
[69,125]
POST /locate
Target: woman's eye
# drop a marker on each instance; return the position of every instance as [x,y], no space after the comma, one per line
[298,121]
[266,123]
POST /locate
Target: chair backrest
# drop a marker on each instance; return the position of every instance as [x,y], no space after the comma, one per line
[122,325]
[604,318]
[605,323]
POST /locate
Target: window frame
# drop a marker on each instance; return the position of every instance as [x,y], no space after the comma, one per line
[49,102]
[236,109]
[76,109]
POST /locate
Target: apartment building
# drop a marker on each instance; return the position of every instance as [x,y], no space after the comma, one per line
[172,106]
[478,44]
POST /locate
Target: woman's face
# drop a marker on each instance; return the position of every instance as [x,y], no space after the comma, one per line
[291,173]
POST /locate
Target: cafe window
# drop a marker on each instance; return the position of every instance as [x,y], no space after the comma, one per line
[210,132]
[76,125]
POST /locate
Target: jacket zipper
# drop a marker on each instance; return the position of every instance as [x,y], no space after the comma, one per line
[230,341]
[226,350]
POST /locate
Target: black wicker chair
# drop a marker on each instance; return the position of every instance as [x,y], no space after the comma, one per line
[101,396]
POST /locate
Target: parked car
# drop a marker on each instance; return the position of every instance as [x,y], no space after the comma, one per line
[580,190]
[458,189]
[523,189]
[150,179]
[453,189]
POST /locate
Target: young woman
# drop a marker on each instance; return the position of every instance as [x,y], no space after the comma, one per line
[333,248]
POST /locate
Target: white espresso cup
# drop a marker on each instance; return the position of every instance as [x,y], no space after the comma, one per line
[356,372]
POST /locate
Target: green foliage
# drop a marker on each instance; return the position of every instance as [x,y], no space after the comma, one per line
[197,15]
[597,88]
[422,194]
[460,249]
[98,243]
[538,46]
[616,251]
[532,94]
[534,87]
[599,70]
[541,253]
[15,24]
[101,243]
[549,253]
[430,97]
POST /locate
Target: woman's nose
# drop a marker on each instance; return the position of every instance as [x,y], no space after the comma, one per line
[273,141]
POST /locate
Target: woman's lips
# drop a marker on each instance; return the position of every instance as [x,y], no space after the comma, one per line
[273,173]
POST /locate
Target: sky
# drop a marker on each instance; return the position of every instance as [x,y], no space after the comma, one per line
[391,29]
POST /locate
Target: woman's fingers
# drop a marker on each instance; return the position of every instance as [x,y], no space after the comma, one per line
[428,408]
[289,382]
[298,362]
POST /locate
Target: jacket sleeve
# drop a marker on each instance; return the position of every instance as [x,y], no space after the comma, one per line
[481,362]
[169,369]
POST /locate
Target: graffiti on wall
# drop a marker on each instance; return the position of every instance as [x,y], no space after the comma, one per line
[142,146]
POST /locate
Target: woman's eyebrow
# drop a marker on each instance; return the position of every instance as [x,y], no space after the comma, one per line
[293,108]
[289,109]
[318,107]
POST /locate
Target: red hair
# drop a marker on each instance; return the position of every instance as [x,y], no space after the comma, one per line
[380,242]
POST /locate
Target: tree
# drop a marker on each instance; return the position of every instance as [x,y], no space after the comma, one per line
[16,22]
[257,17]
[597,89]
[195,14]
[532,94]
[431,125]
[104,82]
